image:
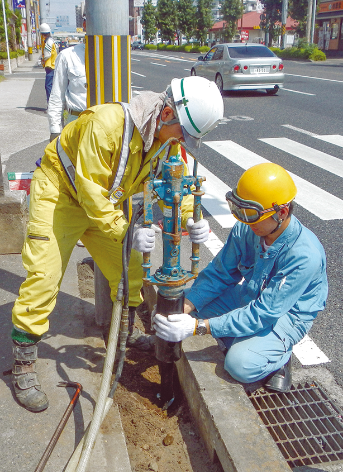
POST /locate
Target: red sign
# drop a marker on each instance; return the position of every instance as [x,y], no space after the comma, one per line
[244,35]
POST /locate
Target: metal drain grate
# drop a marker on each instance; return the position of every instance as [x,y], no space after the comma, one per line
[304,423]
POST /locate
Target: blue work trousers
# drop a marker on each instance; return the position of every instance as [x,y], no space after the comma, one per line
[49,77]
[250,358]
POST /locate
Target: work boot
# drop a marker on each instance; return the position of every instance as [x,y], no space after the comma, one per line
[281,380]
[136,337]
[25,382]
[140,340]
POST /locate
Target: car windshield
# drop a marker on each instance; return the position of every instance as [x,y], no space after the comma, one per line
[249,52]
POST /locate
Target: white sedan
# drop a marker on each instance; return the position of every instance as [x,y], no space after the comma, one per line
[238,66]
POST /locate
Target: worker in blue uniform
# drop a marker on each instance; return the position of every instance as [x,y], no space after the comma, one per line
[262,292]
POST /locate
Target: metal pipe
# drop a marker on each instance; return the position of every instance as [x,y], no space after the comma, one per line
[61,425]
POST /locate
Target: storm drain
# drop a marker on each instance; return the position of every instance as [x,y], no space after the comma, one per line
[305,423]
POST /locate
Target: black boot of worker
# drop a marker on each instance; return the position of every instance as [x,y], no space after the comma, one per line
[136,337]
[281,380]
[25,382]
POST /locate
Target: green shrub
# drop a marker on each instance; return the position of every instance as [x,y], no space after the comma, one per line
[13,54]
[150,46]
[204,49]
[318,55]
[162,46]
[303,51]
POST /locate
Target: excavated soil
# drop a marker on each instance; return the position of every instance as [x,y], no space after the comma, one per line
[165,441]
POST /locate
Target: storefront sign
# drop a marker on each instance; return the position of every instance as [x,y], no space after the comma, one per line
[244,35]
[330,6]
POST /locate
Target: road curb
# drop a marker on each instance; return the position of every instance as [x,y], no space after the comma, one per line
[228,423]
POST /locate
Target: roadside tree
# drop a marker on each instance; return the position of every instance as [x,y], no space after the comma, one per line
[272,16]
[167,19]
[297,9]
[204,20]
[148,20]
[232,11]
[187,18]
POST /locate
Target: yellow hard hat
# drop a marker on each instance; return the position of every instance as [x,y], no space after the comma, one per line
[261,191]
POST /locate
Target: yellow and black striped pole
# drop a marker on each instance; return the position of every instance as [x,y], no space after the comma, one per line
[108,69]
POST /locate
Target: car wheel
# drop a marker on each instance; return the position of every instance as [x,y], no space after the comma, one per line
[219,82]
[272,91]
[193,72]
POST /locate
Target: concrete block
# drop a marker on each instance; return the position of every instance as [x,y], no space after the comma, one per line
[226,419]
[110,452]
[13,221]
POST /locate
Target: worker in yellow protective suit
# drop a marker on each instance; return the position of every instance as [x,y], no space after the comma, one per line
[49,54]
[98,161]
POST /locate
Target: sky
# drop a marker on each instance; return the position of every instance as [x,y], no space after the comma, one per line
[61,13]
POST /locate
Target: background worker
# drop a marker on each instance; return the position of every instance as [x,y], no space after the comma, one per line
[69,89]
[263,290]
[100,160]
[49,54]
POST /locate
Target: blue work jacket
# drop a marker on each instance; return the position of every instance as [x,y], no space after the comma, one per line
[284,287]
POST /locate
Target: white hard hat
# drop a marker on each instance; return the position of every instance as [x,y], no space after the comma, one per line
[199,107]
[44,28]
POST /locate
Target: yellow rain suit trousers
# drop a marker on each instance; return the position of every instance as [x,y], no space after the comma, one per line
[59,216]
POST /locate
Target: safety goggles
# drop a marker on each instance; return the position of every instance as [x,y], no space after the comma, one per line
[248,211]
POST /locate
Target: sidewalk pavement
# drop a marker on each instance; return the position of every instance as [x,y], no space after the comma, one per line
[74,351]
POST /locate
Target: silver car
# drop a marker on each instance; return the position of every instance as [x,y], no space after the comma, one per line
[238,66]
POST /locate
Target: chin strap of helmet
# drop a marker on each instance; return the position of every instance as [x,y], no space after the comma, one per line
[276,218]
[169,94]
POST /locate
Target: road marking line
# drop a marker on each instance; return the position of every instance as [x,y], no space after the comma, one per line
[156,64]
[297,91]
[136,73]
[316,78]
[309,353]
[329,138]
[316,200]
[137,60]
[214,198]
[188,70]
[308,154]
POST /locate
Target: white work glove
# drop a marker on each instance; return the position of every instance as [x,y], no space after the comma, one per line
[198,232]
[175,328]
[144,238]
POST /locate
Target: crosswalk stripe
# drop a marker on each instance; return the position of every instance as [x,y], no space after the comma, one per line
[213,244]
[309,353]
[214,198]
[308,154]
[329,138]
[319,202]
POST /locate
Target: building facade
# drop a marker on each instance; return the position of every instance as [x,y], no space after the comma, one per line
[329,26]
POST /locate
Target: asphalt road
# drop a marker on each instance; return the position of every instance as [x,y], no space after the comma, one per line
[311,106]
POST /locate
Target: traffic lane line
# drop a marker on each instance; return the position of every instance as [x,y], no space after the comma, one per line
[136,73]
[315,78]
[157,64]
[297,91]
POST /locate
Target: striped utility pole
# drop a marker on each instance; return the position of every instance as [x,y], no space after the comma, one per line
[108,52]
[108,72]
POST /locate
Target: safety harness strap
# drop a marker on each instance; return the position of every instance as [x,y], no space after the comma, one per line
[69,167]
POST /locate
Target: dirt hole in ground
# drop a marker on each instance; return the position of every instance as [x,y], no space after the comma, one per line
[163,441]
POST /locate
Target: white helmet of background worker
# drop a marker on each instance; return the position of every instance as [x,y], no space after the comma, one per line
[45,28]
[199,106]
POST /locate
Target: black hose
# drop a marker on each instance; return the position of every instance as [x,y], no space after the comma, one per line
[126,253]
